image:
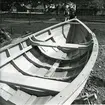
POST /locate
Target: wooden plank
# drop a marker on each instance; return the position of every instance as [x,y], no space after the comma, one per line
[61,75]
[75,94]
[45,38]
[50,52]
[6,91]
[15,49]
[32,70]
[9,68]
[4,94]
[3,55]
[31,100]
[36,83]
[22,64]
[29,55]
[53,68]
[14,56]
[7,88]
[68,46]
[20,98]
[42,100]
[41,72]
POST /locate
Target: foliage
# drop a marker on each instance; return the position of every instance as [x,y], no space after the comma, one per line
[97,4]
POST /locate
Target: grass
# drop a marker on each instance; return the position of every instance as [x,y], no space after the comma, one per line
[18,29]
[21,28]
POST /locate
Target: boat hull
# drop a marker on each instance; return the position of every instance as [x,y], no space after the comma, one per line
[63,52]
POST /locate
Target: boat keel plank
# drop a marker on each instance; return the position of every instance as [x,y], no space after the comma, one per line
[36,83]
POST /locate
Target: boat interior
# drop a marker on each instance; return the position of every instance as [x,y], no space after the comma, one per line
[43,64]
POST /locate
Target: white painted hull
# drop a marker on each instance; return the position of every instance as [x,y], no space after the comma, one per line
[36,66]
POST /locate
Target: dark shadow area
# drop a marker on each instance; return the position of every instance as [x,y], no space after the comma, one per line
[97,81]
[103,102]
[100,34]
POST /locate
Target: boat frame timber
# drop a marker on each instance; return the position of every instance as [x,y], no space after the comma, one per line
[69,94]
[68,46]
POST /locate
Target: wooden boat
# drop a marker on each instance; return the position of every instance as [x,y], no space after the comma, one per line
[49,67]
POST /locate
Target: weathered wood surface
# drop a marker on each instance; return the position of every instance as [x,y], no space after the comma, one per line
[32,82]
[52,69]
[68,91]
[13,57]
[66,96]
[68,46]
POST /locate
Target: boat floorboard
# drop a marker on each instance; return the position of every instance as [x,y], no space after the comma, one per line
[31,100]
[20,98]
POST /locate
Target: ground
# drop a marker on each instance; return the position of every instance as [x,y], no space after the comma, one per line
[96,81]
[97,77]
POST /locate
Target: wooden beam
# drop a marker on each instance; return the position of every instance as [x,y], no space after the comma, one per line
[53,68]
[13,57]
[68,46]
[32,82]
[45,38]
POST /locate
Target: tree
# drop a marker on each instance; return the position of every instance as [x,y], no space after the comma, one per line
[98,3]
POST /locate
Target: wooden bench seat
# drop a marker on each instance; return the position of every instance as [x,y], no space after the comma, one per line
[51,53]
[44,38]
[36,83]
[66,45]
